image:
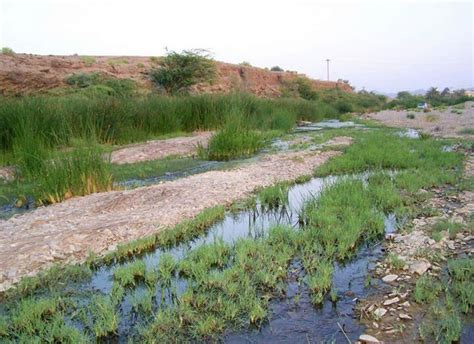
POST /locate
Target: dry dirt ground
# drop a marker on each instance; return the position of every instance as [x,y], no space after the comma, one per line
[444,123]
[159,149]
[68,231]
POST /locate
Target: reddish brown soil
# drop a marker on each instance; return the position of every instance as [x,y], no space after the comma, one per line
[25,73]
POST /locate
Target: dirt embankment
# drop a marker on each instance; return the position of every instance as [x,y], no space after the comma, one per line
[68,231]
[26,73]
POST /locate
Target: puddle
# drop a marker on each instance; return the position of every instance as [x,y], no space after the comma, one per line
[9,210]
[204,166]
[329,124]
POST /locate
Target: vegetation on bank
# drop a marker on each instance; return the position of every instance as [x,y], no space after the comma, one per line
[449,296]
[41,134]
[229,285]
[406,100]
[179,71]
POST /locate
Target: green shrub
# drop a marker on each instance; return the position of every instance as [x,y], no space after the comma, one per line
[410,115]
[87,60]
[427,289]
[180,71]
[276,69]
[344,106]
[83,80]
[305,89]
[8,51]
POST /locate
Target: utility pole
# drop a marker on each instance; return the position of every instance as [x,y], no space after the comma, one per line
[327,60]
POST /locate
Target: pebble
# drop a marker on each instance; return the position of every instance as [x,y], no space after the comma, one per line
[380,312]
[391,301]
[420,267]
[365,338]
[390,278]
[404,316]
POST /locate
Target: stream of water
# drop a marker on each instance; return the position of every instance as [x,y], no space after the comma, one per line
[292,317]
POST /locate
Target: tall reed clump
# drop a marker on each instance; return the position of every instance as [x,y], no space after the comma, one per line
[119,120]
[234,140]
[81,171]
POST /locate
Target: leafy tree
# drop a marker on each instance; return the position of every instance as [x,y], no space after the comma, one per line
[180,71]
[7,51]
[445,93]
[432,94]
[276,69]
[403,95]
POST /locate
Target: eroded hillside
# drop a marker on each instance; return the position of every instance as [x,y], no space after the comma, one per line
[26,73]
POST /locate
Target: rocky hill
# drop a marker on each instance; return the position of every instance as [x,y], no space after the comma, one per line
[26,73]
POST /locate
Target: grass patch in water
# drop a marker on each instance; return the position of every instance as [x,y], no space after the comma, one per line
[427,289]
[105,319]
[128,274]
[274,196]
[234,140]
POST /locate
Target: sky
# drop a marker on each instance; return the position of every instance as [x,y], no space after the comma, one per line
[385,46]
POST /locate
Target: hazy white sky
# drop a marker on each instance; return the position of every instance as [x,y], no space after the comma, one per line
[380,45]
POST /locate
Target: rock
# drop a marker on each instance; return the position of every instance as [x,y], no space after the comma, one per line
[391,301]
[390,278]
[450,244]
[420,267]
[380,312]
[404,316]
[390,236]
[365,338]
[349,293]
[468,238]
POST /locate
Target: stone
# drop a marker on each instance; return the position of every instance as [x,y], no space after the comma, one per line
[420,267]
[365,338]
[450,244]
[390,278]
[391,301]
[404,316]
[468,238]
[380,312]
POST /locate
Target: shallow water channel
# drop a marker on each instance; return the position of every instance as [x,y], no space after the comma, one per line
[291,317]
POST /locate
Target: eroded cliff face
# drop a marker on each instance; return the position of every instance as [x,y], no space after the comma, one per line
[25,73]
